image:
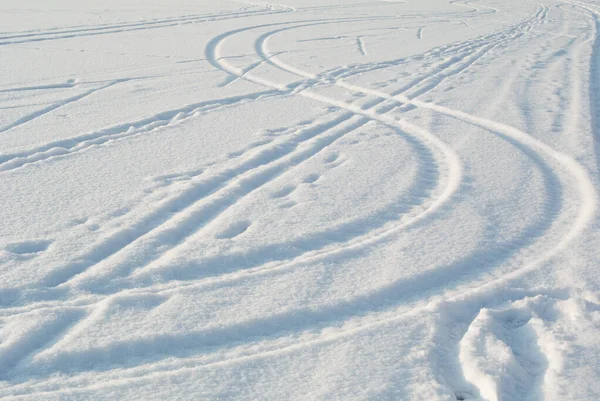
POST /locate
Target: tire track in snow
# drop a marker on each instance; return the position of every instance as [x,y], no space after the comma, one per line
[458,326]
[518,138]
[213,54]
[239,356]
[25,343]
[423,106]
[402,291]
[232,276]
[173,219]
[92,257]
[255,271]
[587,192]
[594,90]
[33,37]
[176,271]
[77,144]
[361,45]
[268,5]
[95,259]
[482,47]
[72,145]
[360,116]
[100,27]
[172,234]
[64,85]
[472,50]
[57,105]
[173,271]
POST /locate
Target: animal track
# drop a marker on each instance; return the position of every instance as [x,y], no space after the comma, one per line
[331,158]
[288,205]
[211,336]
[309,179]
[285,191]
[28,247]
[234,230]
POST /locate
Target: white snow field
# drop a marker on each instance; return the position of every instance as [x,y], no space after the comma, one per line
[317,200]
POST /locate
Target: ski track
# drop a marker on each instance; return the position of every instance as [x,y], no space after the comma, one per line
[217,198]
[522,139]
[74,145]
[260,48]
[360,43]
[181,218]
[92,258]
[76,33]
[464,313]
[57,105]
[10,161]
[594,78]
[176,235]
[86,28]
[243,257]
[413,89]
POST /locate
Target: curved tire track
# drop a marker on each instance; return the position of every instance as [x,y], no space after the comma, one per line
[586,189]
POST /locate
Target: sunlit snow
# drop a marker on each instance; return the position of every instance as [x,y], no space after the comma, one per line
[317,200]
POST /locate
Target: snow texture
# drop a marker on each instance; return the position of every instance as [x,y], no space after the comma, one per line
[317,200]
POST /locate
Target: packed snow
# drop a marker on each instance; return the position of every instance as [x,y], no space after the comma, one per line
[317,200]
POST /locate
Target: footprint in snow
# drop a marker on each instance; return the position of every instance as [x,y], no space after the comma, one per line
[28,247]
[78,221]
[288,205]
[309,179]
[331,158]
[233,155]
[234,230]
[285,191]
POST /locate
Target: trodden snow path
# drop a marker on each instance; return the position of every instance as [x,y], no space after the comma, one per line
[316,200]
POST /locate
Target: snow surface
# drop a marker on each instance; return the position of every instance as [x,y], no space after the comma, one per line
[316,200]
